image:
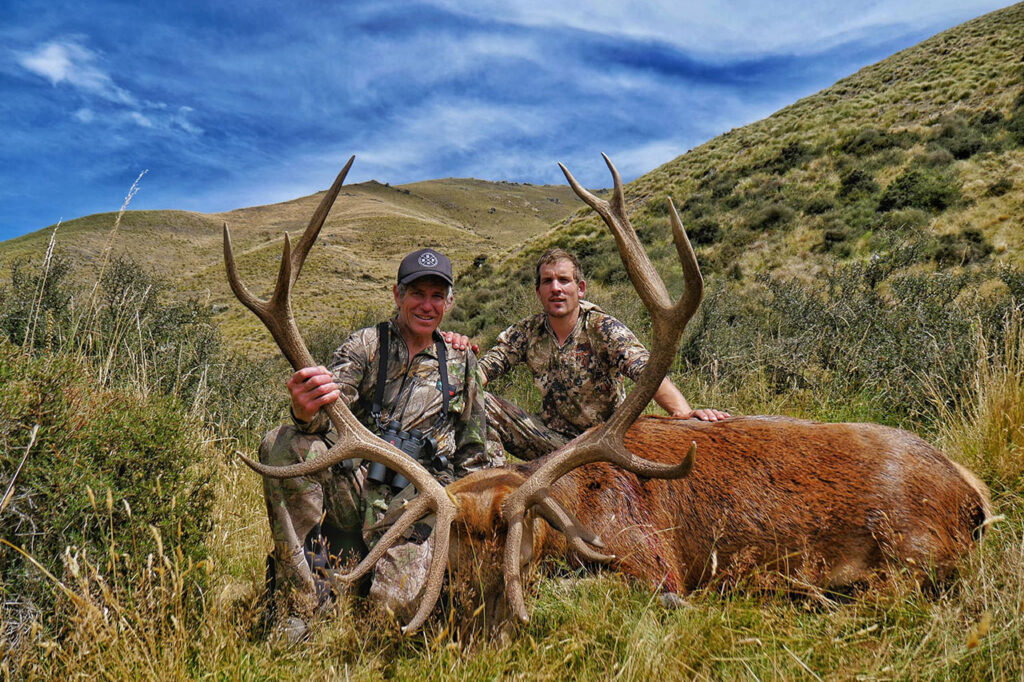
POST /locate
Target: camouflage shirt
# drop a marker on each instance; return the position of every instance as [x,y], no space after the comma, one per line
[581,382]
[412,395]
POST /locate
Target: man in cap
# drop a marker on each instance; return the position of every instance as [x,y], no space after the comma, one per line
[318,519]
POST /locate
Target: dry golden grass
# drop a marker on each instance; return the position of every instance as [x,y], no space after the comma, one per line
[987,434]
[368,231]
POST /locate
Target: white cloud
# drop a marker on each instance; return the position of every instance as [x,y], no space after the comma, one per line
[85,115]
[140,119]
[180,119]
[724,27]
[461,125]
[69,62]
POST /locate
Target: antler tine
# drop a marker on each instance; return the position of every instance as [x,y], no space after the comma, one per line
[275,313]
[413,511]
[241,291]
[438,563]
[316,223]
[605,442]
[580,538]
[645,279]
[354,439]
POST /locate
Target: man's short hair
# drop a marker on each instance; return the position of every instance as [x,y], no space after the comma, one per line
[553,256]
[403,288]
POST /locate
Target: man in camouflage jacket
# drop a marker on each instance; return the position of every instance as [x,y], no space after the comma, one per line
[578,355]
[338,509]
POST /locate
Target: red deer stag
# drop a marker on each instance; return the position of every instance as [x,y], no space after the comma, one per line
[824,504]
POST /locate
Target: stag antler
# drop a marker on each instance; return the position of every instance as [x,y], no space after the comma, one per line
[354,440]
[605,443]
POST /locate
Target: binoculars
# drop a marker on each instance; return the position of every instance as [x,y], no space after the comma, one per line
[414,443]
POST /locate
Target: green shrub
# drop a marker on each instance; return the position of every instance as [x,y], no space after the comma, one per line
[771,216]
[792,155]
[139,333]
[988,118]
[37,302]
[923,189]
[1014,281]
[864,141]
[1016,128]
[959,137]
[705,231]
[245,401]
[859,216]
[868,330]
[999,187]
[146,333]
[1015,123]
[720,184]
[966,247]
[818,204]
[106,465]
[856,183]
[935,157]
[867,141]
[833,241]
[695,206]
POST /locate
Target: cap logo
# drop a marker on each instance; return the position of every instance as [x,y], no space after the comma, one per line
[427,260]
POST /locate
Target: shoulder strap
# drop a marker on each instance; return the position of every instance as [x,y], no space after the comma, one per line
[442,368]
[382,369]
[382,373]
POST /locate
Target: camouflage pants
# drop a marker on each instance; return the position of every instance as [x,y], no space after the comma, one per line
[345,509]
[522,434]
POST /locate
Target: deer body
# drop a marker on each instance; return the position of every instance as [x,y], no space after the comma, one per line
[825,504]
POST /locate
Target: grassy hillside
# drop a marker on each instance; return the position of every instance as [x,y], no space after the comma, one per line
[367,232]
[923,149]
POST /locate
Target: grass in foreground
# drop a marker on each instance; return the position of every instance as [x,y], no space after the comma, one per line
[122,613]
[586,628]
[205,620]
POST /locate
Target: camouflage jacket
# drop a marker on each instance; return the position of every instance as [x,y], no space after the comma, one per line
[412,395]
[581,382]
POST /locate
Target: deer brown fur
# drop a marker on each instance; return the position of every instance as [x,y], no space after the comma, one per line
[824,505]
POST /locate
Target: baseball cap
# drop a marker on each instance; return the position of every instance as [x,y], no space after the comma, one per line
[425,262]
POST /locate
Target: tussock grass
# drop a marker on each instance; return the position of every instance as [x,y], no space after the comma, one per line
[123,614]
[986,430]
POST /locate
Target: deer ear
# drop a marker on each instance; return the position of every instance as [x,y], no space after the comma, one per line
[498,494]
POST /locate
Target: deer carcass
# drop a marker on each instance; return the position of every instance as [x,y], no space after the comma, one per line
[794,503]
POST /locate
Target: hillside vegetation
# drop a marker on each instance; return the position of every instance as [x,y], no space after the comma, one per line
[923,149]
[859,267]
[367,232]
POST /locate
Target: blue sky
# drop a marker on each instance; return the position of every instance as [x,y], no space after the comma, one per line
[238,103]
